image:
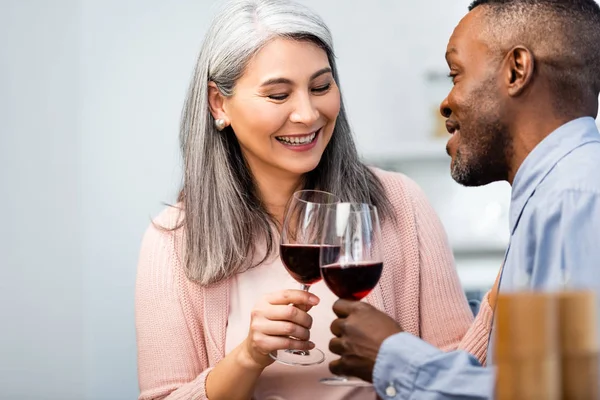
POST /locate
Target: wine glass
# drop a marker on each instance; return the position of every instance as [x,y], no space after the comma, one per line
[300,250]
[352,270]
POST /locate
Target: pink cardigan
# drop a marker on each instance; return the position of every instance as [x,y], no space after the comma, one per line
[181,325]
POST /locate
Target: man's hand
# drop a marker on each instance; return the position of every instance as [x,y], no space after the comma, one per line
[360,330]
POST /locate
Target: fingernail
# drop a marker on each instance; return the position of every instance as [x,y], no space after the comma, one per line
[311,345]
[313,300]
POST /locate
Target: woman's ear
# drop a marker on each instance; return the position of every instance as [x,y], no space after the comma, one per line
[216,102]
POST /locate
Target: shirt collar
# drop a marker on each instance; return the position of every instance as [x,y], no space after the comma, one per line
[544,157]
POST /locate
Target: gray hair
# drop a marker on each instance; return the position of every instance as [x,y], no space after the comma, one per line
[223,215]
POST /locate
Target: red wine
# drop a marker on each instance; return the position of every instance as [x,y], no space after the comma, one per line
[302,260]
[352,281]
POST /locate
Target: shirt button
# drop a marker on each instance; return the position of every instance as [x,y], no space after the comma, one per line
[390,391]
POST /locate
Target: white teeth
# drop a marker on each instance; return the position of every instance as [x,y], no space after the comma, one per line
[295,141]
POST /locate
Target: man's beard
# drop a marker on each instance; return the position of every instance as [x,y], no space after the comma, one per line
[489,146]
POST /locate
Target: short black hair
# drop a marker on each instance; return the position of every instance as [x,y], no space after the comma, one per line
[563,35]
[589,7]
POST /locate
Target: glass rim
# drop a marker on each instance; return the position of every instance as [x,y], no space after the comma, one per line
[297,193]
[370,207]
[352,264]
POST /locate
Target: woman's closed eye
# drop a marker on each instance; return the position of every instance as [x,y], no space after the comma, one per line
[278,96]
[322,88]
[316,90]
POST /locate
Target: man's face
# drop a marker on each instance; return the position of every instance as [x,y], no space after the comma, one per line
[474,108]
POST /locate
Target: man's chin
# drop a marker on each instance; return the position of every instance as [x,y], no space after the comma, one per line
[469,180]
[465,176]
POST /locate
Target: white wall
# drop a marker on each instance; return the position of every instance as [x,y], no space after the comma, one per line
[136,58]
[40,234]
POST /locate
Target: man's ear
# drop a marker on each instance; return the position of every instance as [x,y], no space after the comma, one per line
[519,66]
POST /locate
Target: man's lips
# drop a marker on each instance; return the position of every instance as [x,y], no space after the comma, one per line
[451,126]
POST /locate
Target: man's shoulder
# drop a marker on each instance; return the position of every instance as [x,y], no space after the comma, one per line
[578,171]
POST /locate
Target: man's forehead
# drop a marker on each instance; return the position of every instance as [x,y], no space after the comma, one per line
[467,32]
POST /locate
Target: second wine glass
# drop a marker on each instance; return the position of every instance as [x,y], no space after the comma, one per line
[353,270]
[300,250]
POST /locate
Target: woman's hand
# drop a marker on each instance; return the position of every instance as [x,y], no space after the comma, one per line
[276,319]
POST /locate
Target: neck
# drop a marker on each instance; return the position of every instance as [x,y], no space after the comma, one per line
[275,190]
[528,131]
[535,117]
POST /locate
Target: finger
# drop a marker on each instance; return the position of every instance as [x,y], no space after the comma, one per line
[291,296]
[351,367]
[359,367]
[336,367]
[336,346]
[267,343]
[342,308]
[286,313]
[281,328]
[291,344]
[303,307]
[338,326]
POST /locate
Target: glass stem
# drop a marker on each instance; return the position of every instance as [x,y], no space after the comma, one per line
[306,288]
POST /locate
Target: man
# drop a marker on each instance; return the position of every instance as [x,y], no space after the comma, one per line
[526,77]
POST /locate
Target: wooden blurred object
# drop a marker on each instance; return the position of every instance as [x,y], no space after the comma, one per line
[526,347]
[579,345]
[546,346]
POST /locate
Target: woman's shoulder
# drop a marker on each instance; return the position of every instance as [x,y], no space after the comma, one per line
[164,233]
[169,218]
[399,188]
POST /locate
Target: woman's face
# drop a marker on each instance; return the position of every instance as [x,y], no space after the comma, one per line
[284,108]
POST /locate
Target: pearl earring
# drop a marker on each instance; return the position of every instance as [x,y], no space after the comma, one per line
[220,124]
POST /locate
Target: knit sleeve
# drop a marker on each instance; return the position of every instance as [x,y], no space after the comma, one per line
[172,360]
[476,339]
[445,313]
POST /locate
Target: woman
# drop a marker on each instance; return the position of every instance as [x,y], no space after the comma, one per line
[264,118]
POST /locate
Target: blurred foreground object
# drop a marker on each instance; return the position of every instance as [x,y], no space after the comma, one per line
[546,346]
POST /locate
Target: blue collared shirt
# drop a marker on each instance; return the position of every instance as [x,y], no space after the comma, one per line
[555,241]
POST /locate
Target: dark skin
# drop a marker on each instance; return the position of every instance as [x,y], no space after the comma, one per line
[359,329]
[497,91]
[498,111]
